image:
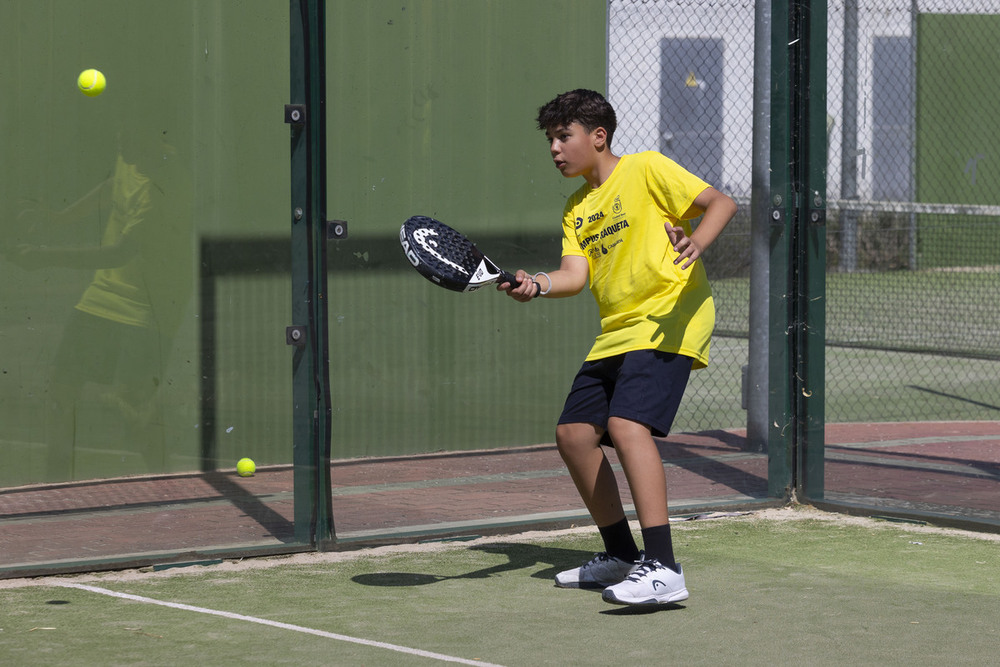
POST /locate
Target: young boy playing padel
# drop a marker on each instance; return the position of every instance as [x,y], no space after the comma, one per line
[625,231]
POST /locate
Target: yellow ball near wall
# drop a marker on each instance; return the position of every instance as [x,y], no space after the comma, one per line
[245,467]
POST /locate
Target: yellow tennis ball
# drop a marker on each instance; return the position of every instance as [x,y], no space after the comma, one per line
[91,82]
[246,467]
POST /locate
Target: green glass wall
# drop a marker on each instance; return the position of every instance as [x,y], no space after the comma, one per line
[130,349]
[100,323]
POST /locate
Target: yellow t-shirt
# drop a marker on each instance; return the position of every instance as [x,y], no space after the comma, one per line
[645,300]
[119,294]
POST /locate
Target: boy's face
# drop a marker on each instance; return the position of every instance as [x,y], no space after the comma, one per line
[574,150]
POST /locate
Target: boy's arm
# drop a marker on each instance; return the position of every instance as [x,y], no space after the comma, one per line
[96,257]
[716,210]
[569,279]
[88,204]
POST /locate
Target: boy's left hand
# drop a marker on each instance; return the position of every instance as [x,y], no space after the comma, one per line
[683,245]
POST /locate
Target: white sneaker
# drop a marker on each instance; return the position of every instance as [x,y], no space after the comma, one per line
[649,583]
[599,572]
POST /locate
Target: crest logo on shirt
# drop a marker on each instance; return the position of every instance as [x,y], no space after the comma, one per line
[617,208]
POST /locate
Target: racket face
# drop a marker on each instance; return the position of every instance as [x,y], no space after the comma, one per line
[445,256]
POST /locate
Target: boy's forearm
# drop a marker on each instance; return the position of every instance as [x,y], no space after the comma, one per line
[569,279]
[89,258]
[716,210]
[717,215]
[557,283]
[88,204]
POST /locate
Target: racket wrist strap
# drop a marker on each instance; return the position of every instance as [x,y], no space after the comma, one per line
[543,292]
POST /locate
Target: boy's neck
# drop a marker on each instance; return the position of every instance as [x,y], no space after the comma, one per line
[602,169]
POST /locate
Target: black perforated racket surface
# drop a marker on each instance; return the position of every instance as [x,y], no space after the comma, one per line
[446,257]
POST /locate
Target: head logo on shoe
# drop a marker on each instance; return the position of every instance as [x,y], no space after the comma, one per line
[650,583]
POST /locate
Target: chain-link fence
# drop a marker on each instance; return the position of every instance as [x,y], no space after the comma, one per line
[913,239]
[680,75]
[913,243]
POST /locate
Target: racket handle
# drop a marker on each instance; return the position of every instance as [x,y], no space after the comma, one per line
[509,278]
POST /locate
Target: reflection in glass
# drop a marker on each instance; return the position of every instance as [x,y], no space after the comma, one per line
[118,337]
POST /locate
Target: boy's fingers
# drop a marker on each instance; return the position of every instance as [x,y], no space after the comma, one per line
[691,253]
[683,246]
[522,289]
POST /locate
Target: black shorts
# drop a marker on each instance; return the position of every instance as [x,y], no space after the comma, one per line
[644,386]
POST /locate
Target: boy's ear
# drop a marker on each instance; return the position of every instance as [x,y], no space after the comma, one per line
[600,136]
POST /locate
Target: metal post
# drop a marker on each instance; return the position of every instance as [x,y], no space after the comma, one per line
[914,22]
[306,114]
[770,416]
[788,252]
[760,233]
[850,152]
[809,303]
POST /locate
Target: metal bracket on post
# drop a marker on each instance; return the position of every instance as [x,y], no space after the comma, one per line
[295,114]
[295,336]
[817,214]
[336,230]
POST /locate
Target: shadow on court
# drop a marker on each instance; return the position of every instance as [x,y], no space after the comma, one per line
[519,557]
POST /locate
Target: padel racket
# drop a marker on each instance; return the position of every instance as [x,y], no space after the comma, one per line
[447,258]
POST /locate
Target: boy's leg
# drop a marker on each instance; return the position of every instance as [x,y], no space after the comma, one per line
[658,579]
[579,446]
[647,395]
[647,481]
[643,469]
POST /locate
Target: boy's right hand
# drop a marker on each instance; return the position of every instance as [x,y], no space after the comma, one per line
[525,290]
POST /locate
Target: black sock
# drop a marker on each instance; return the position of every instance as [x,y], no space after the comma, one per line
[657,543]
[618,541]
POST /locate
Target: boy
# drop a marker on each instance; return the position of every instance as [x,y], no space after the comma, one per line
[625,231]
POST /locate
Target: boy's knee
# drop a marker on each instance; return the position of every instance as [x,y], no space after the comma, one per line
[564,435]
[576,437]
[621,428]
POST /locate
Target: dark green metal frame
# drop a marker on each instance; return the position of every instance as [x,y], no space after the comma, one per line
[306,114]
[797,227]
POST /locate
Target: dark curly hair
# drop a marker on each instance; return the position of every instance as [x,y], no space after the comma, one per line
[586,107]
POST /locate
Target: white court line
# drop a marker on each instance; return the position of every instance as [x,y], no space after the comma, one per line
[275,624]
